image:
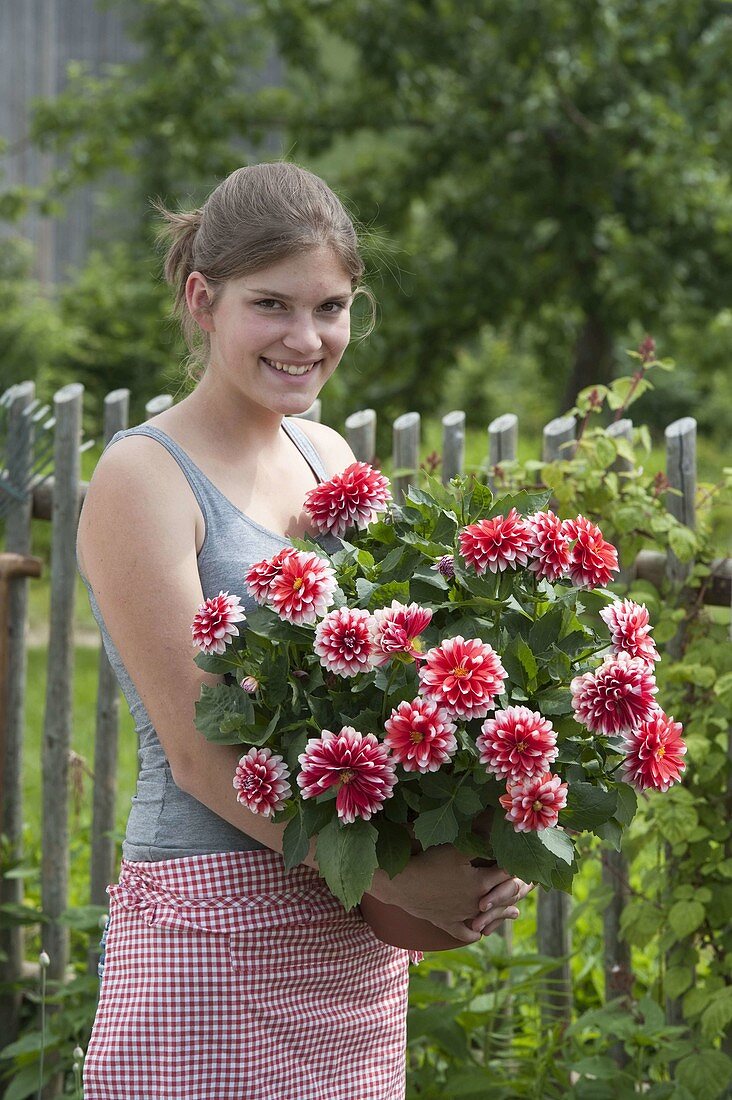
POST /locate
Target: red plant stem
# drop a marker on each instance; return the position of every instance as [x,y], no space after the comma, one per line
[636,379]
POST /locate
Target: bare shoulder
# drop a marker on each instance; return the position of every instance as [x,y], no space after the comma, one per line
[330,445]
[138,488]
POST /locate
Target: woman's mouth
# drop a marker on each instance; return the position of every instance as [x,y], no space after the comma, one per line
[293,369]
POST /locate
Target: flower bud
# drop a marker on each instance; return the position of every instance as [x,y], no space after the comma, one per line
[44,960]
[250,684]
[78,1054]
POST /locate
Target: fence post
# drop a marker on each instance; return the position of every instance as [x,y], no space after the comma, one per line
[406,434]
[18,541]
[58,707]
[502,444]
[116,417]
[681,474]
[361,434]
[552,906]
[158,404]
[453,445]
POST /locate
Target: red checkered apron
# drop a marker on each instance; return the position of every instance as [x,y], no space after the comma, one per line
[227,978]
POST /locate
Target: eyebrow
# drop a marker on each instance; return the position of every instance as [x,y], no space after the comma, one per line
[287,298]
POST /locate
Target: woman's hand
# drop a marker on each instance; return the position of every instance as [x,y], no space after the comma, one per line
[499,905]
[441,885]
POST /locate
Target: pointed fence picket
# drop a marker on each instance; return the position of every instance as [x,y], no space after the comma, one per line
[59,500]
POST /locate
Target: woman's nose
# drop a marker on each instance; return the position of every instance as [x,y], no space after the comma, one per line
[303,335]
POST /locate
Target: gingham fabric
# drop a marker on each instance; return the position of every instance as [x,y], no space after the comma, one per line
[227,978]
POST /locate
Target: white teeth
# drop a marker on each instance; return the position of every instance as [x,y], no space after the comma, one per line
[290,368]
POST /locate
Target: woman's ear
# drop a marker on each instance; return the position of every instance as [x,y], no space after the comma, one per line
[199,300]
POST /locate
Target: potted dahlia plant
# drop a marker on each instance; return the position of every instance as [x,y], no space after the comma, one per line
[451,670]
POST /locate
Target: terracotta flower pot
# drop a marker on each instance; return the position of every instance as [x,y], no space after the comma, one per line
[400,929]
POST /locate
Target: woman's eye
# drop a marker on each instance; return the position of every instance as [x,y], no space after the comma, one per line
[268,303]
[337,307]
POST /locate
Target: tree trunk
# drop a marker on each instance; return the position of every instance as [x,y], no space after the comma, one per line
[593,359]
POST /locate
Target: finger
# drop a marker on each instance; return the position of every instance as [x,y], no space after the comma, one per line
[494,918]
[503,894]
[464,933]
[490,878]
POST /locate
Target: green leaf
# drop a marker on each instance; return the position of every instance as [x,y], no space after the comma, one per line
[705,1075]
[347,859]
[682,541]
[545,631]
[588,806]
[554,701]
[468,801]
[676,817]
[295,841]
[627,803]
[521,854]
[558,843]
[640,921]
[216,663]
[393,846]
[678,980]
[685,917]
[718,1015]
[436,826]
[216,704]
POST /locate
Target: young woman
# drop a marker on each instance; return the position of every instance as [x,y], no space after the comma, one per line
[225,977]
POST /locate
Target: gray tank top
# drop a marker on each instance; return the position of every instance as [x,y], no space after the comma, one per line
[165,822]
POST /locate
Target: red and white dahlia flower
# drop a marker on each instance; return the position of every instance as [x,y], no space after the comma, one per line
[261,576]
[549,545]
[463,676]
[303,589]
[516,743]
[535,803]
[261,782]
[395,630]
[616,697]
[356,763]
[654,753]
[349,499]
[593,560]
[496,544]
[213,624]
[343,641]
[630,629]
[421,735]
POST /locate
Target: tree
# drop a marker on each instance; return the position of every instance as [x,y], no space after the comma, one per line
[561,164]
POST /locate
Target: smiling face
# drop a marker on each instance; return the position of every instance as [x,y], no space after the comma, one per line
[278,335]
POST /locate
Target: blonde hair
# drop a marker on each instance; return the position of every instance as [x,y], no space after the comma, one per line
[257,216]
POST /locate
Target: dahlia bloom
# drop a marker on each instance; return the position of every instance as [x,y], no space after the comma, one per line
[395,630]
[261,576]
[261,782]
[496,544]
[535,803]
[462,676]
[549,545]
[631,633]
[516,743]
[593,560]
[654,753]
[213,624]
[421,735]
[303,589]
[356,763]
[445,566]
[343,642]
[348,500]
[616,697]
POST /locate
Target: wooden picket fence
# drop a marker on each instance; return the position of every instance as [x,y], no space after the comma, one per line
[59,499]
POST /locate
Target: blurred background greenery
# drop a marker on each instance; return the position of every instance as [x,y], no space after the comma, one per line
[537,184]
